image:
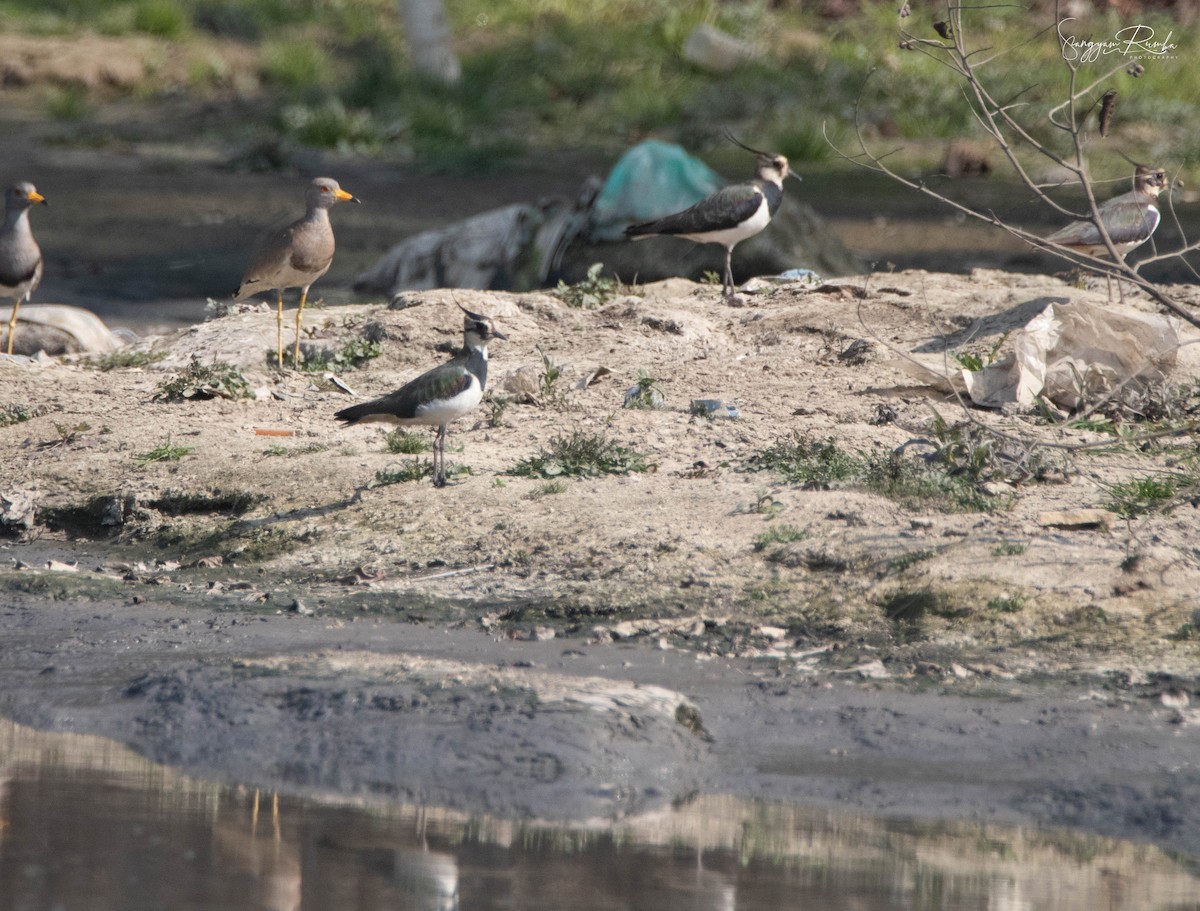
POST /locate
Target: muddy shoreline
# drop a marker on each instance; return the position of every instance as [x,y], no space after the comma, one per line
[486,723]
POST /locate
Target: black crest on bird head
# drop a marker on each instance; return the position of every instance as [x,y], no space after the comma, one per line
[767,161]
[478,325]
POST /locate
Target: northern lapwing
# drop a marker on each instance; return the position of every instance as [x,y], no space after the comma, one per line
[729,215]
[296,256]
[1129,219]
[437,397]
[20,256]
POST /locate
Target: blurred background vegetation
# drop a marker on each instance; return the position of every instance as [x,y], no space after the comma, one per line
[597,75]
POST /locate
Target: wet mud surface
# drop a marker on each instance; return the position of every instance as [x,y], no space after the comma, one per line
[563,730]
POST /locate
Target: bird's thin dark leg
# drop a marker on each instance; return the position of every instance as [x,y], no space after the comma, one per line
[279,328]
[727,279]
[439,457]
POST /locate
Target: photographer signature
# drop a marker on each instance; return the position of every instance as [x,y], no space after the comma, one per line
[1131,41]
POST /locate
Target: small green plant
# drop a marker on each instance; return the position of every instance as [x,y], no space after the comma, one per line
[350,356]
[409,471]
[814,464]
[295,64]
[278,449]
[406,442]
[1140,496]
[822,465]
[68,434]
[17,414]
[649,395]
[779,534]
[764,504]
[1009,549]
[204,381]
[69,103]
[918,486]
[331,125]
[163,452]
[122,359]
[594,291]
[551,487]
[494,407]
[581,455]
[549,391]
[975,361]
[1007,604]
[709,277]
[1187,632]
[163,18]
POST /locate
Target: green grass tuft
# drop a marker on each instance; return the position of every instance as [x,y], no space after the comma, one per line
[204,381]
[581,455]
[123,359]
[594,291]
[779,534]
[1140,496]
[163,452]
[814,464]
[406,442]
[17,414]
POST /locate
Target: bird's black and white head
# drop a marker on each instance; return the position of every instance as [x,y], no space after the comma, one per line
[770,167]
[1151,180]
[773,169]
[21,196]
[478,330]
[324,192]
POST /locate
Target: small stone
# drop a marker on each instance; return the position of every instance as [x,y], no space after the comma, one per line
[1075,518]
[298,607]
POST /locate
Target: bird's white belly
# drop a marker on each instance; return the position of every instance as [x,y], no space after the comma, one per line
[728,237]
[443,411]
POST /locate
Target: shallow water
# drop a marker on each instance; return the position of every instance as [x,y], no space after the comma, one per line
[85,824]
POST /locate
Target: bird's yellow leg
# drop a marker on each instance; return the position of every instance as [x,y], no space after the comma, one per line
[12,324]
[299,316]
[279,330]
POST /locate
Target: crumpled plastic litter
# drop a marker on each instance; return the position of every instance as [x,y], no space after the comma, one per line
[1074,353]
[652,179]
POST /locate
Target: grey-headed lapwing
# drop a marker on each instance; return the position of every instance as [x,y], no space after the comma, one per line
[296,256]
[1129,219]
[729,215]
[20,256]
[437,397]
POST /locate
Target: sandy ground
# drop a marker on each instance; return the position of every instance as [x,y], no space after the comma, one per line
[259,611]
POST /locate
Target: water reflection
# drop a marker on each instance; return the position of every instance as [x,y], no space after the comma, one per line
[85,824]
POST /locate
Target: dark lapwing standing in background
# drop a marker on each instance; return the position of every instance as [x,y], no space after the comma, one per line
[438,397]
[730,215]
[20,256]
[1129,219]
[296,256]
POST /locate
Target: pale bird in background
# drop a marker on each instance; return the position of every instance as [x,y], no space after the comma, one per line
[1129,219]
[20,256]
[296,256]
